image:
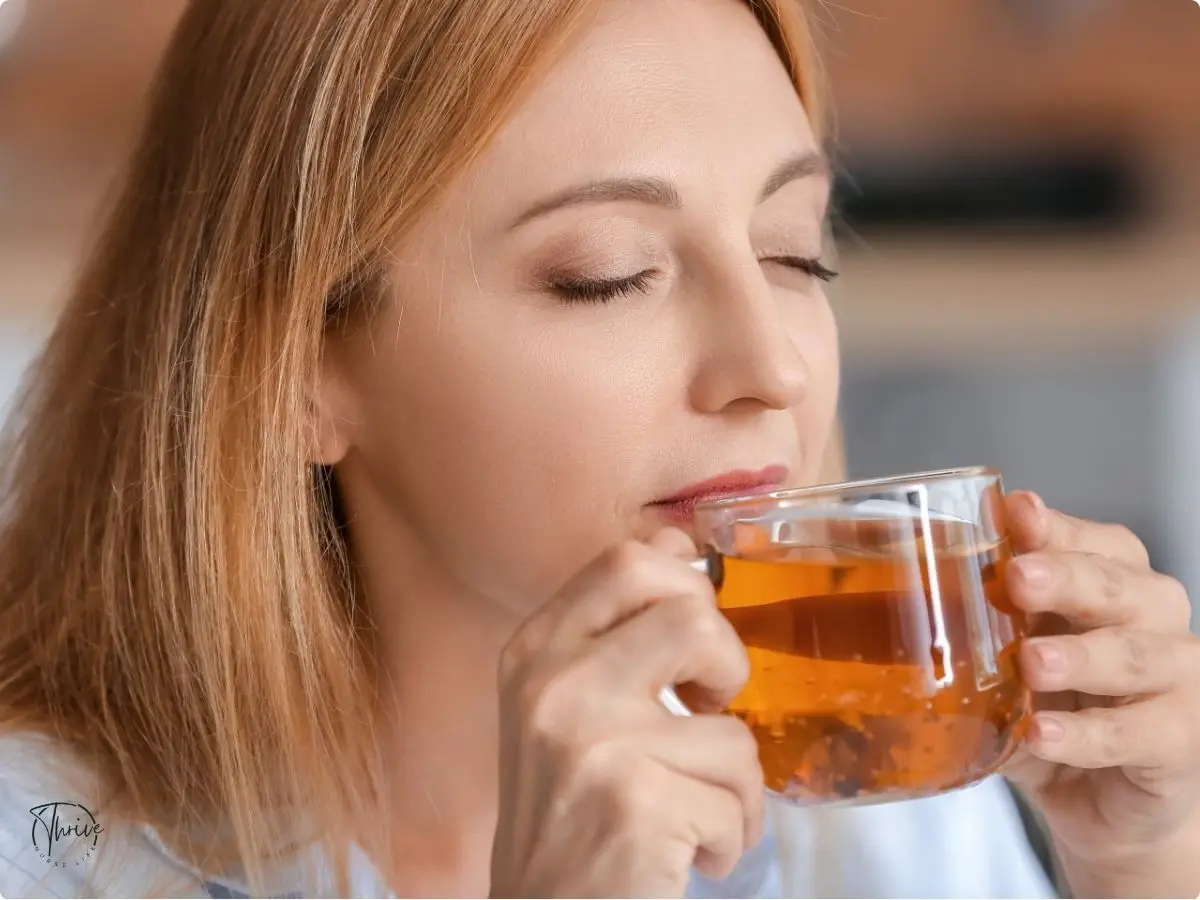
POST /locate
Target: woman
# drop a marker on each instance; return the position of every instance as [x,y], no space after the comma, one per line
[408,318]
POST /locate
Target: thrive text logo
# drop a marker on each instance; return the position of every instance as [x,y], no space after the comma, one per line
[64,834]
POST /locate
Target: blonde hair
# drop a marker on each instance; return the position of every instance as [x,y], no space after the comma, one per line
[177,608]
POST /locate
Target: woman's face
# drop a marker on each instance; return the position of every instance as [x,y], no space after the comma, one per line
[620,301]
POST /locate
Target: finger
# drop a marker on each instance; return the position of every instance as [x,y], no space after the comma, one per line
[674,542]
[716,821]
[614,587]
[1111,662]
[1092,591]
[1159,733]
[717,749]
[1035,526]
[679,640]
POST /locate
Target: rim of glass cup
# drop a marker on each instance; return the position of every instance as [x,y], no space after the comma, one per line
[843,488]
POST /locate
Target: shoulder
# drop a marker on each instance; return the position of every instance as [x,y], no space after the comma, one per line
[55,839]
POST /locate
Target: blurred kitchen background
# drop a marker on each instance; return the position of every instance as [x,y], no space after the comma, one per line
[1018,212]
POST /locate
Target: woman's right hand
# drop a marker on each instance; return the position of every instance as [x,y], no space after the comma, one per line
[603,793]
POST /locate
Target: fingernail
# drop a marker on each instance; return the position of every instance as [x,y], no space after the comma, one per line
[1036,501]
[1050,656]
[1034,572]
[1049,730]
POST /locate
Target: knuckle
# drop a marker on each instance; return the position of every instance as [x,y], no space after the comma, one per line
[1104,736]
[1137,655]
[1071,530]
[596,764]
[545,698]
[629,799]
[1114,741]
[1082,650]
[1112,577]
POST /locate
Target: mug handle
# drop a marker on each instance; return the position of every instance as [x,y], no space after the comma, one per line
[668,698]
[709,564]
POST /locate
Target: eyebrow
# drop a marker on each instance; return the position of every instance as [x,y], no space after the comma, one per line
[653,191]
[810,164]
[661,193]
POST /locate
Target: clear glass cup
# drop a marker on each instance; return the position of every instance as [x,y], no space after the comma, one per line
[882,643]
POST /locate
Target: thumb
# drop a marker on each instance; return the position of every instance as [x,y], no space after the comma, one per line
[675,543]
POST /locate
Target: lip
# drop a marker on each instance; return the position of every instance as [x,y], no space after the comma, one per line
[681,505]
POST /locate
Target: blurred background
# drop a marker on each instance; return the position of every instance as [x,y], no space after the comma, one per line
[1018,211]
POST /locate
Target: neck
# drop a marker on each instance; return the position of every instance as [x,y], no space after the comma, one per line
[439,646]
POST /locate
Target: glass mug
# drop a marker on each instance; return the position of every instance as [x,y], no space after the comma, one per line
[882,643]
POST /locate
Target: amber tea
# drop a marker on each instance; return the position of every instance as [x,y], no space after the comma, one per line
[882,648]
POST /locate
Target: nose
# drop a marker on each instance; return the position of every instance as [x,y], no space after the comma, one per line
[748,357]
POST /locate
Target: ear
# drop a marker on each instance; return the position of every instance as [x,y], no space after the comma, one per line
[333,412]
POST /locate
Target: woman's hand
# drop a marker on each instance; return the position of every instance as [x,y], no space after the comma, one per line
[603,793]
[1113,757]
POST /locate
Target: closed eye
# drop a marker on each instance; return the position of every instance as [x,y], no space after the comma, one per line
[808,265]
[603,290]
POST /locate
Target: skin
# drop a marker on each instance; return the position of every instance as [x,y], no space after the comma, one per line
[499,448]
[1112,760]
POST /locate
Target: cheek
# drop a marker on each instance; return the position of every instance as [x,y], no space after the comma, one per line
[510,450]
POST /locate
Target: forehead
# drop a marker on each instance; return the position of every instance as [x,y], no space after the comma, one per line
[690,90]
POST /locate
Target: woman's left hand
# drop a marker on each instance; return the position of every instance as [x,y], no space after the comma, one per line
[1113,755]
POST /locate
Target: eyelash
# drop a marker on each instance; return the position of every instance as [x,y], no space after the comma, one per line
[808,265]
[605,291]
